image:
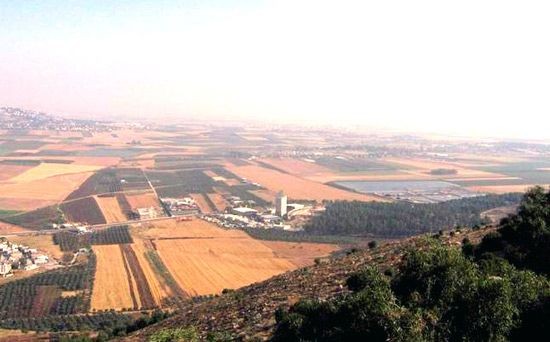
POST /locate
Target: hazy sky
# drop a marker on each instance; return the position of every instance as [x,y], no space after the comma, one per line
[463,67]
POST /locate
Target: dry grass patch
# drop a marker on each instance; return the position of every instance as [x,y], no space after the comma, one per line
[111,287]
[111,209]
[295,187]
[41,242]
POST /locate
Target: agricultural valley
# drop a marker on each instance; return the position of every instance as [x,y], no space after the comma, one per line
[105,224]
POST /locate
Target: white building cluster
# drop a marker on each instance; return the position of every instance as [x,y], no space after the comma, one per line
[20,256]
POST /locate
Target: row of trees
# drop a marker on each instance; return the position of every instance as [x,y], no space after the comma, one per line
[444,294]
[403,218]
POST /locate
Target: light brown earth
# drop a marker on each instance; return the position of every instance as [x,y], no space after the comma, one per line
[218,201]
[54,188]
[111,288]
[201,202]
[24,204]
[295,187]
[143,200]
[8,228]
[46,170]
[301,254]
[297,166]
[111,209]
[10,171]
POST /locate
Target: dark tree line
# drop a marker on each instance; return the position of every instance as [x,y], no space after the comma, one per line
[402,218]
[72,241]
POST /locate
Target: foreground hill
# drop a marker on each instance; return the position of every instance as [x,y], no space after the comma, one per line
[249,312]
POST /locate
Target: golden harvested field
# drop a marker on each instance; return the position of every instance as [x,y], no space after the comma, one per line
[218,201]
[41,242]
[300,254]
[295,187]
[9,171]
[111,287]
[66,147]
[196,228]
[54,188]
[46,170]
[111,209]
[205,259]
[297,166]
[201,202]
[502,189]
[143,200]
[206,266]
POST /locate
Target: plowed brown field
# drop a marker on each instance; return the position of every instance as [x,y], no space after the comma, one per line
[143,200]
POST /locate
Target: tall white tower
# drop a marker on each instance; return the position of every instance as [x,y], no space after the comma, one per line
[280,204]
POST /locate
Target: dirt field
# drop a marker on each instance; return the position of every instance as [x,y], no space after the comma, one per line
[7,228]
[300,254]
[46,170]
[218,201]
[295,187]
[111,286]
[266,195]
[41,242]
[144,200]
[111,209]
[202,203]
[9,171]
